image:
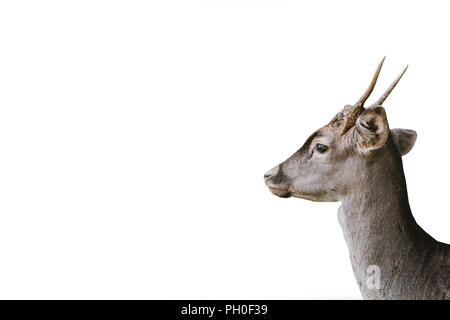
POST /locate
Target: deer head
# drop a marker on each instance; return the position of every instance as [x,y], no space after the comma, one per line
[330,163]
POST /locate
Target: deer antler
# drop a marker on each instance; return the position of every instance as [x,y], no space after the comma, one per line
[380,101]
[347,117]
[362,100]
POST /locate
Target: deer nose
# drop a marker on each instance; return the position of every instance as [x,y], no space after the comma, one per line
[271,173]
[267,175]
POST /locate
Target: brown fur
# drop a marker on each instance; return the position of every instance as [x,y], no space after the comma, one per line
[362,168]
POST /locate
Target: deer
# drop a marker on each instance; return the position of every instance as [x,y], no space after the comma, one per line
[356,159]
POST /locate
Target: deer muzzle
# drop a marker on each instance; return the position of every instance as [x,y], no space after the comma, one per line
[276,182]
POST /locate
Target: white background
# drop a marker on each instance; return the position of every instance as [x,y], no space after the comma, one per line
[134,136]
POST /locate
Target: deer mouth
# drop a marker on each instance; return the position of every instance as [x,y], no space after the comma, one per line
[280,191]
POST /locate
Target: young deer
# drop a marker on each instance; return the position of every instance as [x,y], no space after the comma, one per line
[356,159]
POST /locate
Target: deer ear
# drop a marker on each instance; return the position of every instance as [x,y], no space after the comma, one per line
[404,139]
[372,129]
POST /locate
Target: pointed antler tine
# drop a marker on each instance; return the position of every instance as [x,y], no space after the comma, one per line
[362,100]
[380,101]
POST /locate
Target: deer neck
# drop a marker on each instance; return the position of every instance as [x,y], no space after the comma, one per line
[378,225]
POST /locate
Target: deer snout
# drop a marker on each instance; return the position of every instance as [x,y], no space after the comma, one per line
[276,181]
[270,173]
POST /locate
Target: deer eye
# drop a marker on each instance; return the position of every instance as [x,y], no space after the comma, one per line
[321,148]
